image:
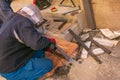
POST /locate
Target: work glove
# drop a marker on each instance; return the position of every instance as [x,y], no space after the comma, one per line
[52,46]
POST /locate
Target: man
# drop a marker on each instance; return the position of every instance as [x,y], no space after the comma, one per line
[22,55]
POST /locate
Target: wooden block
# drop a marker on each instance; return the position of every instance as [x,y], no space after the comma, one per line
[68,47]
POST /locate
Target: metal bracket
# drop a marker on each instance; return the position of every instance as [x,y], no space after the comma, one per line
[61,3]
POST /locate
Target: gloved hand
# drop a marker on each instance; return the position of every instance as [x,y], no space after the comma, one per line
[52,46]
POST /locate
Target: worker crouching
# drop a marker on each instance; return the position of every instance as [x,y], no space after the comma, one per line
[22,47]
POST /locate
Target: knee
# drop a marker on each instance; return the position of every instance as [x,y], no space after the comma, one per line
[44,64]
[50,64]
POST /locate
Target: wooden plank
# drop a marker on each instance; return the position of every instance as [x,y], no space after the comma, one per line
[89,14]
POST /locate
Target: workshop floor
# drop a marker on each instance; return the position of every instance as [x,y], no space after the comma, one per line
[88,69]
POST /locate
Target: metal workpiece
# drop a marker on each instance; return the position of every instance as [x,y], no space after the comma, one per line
[89,13]
[97,44]
[72,10]
[61,3]
[80,42]
[64,21]
[61,51]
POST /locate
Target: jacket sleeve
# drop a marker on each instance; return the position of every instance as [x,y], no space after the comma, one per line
[31,37]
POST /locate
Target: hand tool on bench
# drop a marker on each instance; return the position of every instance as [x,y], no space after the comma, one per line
[72,10]
[80,42]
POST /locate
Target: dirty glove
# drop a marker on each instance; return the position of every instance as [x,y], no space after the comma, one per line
[52,46]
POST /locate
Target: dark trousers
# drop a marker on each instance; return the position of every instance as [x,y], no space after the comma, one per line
[36,67]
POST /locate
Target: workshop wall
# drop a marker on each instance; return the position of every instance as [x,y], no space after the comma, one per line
[107,13]
[17,4]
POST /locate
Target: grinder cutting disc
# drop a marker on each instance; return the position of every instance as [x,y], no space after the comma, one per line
[42,4]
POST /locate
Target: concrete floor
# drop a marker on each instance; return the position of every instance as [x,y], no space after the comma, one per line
[89,69]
